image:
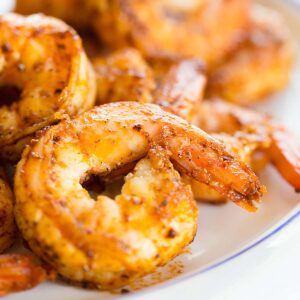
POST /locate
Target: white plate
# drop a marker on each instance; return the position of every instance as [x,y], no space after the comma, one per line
[227,235]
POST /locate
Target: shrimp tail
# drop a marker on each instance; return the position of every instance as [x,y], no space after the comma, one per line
[18,273]
[285,155]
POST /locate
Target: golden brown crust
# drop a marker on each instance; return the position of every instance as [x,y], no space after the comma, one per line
[245,147]
[111,242]
[44,60]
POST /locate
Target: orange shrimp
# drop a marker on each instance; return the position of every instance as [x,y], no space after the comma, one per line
[279,144]
[18,272]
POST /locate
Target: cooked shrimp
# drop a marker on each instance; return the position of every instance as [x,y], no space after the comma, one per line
[124,75]
[106,242]
[18,273]
[182,29]
[277,144]
[182,88]
[260,66]
[7,225]
[115,241]
[246,147]
[172,30]
[45,75]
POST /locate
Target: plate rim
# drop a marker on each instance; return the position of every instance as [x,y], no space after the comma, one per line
[277,228]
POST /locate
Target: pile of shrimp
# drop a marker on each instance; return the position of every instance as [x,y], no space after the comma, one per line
[118,130]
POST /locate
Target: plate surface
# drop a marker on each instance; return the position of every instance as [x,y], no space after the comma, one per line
[225,232]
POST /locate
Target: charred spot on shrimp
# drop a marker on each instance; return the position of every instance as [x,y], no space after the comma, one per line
[9,94]
[56,139]
[164,202]
[137,127]
[171,233]
[6,47]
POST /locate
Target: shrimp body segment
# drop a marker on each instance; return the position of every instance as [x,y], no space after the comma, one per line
[279,145]
[123,76]
[242,145]
[106,242]
[182,89]
[45,75]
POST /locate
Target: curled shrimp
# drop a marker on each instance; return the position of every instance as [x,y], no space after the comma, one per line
[45,75]
[108,243]
[7,225]
[18,272]
[246,147]
[259,133]
[260,66]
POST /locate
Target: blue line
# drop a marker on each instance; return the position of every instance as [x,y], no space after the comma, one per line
[213,266]
[279,228]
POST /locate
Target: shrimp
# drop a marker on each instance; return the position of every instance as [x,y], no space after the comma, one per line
[45,76]
[109,243]
[7,225]
[260,66]
[124,75]
[18,272]
[182,89]
[260,134]
[242,145]
[182,30]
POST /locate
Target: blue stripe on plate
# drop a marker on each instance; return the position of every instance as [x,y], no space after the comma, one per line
[277,229]
[215,265]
